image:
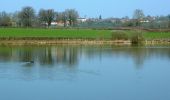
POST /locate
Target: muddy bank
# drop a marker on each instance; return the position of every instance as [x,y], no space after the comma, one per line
[78,42]
[71,42]
[158,41]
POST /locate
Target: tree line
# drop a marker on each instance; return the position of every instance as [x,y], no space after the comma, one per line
[27,17]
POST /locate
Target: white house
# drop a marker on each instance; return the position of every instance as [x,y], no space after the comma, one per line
[81,19]
[54,23]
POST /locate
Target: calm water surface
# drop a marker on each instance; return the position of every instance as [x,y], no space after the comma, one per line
[84,73]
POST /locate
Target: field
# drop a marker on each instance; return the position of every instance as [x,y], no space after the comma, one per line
[157,35]
[55,33]
[74,33]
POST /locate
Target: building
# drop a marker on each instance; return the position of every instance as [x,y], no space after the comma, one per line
[81,19]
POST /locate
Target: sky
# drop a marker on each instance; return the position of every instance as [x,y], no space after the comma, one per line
[93,8]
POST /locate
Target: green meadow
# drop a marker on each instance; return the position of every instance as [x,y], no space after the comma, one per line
[55,33]
[75,33]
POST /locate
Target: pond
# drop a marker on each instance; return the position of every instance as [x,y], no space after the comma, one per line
[66,72]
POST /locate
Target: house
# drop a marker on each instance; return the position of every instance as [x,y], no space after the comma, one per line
[81,19]
[54,23]
[144,21]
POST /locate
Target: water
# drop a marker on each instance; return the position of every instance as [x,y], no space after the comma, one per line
[84,73]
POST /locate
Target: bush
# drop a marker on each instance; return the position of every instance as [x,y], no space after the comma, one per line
[137,38]
[119,36]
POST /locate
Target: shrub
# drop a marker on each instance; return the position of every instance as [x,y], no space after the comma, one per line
[137,38]
[119,36]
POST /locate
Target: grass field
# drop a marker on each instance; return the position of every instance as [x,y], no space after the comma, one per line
[73,33]
[157,35]
[55,33]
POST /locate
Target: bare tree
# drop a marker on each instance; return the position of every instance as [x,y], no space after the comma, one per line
[46,16]
[26,16]
[16,22]
[72,16]
[138,16]
[62,17]
[5,19]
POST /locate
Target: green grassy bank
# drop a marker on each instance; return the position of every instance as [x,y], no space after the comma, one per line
[55,33]
[75,33]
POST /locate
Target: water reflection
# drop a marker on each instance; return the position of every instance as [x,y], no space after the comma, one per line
[42,55]
[69,55]
[47,62]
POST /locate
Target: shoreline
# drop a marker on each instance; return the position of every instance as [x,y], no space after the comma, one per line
[67,41]
[78,42]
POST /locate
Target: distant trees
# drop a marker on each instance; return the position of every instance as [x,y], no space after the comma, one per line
[5,19]
[59,17]
[16,21]
[46,16]
[168,21]
[63,18]
[26,16]
[71,15]
[138,16]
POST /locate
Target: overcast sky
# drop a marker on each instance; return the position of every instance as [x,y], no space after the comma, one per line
[93,8]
